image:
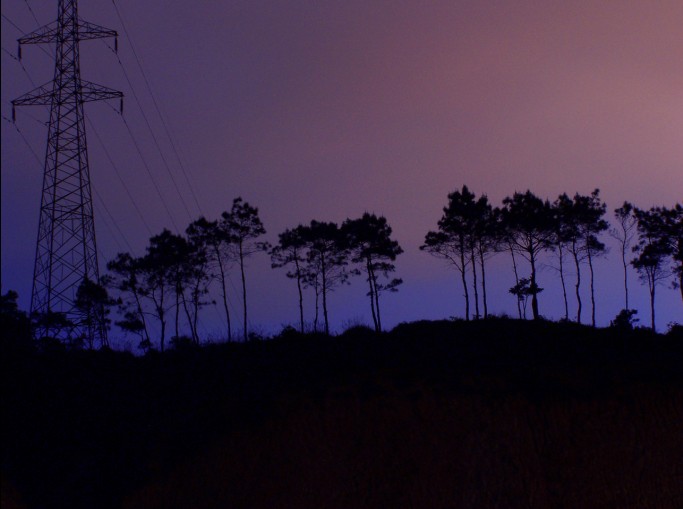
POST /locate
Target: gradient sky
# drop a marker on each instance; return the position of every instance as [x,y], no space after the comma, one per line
[323,110]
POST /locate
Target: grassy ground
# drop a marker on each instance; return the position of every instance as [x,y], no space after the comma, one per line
[434,414]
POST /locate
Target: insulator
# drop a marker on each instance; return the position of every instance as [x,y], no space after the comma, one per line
[121,106]
[14,114]
[116,44]
[19,51]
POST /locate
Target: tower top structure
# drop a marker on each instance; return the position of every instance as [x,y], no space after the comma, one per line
[63,303]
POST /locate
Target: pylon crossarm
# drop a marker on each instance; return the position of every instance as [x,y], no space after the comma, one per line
[44,34]
[41,96]
[94,92]
[88,31]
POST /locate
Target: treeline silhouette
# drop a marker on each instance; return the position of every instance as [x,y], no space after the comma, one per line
[163,291]
[429,414]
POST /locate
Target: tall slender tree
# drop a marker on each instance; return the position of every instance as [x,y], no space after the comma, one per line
[487,239]
[198,276]
[625,233]
[652,249]
[326,260]
[291,249]
[126,277]
[453,240]
[244,226]
[158,270]
[374,251]
[529,223]
[221,254]
[564,232]
[589,211]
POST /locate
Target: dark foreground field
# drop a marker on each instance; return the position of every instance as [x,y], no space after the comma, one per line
[433,415]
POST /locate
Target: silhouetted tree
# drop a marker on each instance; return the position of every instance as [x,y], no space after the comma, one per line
[125,275]
[588,212]
[453,240]
[198,277]
[625,233]
[653,248]
[173,254]
[564,232]
[291,249]
[55,328]
[371,247]
[487,239]
[93,303]
[158,267]
[530,229]
[673,223]
[15,326]
[326,260]
[523,289]
[244,226]
[571,236]
[221,253]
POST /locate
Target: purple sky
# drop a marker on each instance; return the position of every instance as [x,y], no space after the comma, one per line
[323,110]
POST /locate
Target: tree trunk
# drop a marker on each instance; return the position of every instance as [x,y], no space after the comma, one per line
[623,261]
[244,292]
[162,319]
[376,292]
[564,285]
[177,311]
[324,277]
[195,318]
[368,268]
[379,316]
[188,316]
[578,281]
[301,295]
[475,283]
[652,283]
[464,283]
[224,293]
[534,286]
[317,305]
[483,284]
[590,267]
[514,267]
[142,317]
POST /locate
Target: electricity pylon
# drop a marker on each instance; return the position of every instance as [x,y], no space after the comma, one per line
[66,252]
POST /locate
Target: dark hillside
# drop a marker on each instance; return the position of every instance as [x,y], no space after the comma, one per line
[446,414]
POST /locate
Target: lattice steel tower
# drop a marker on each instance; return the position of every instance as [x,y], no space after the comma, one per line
[66,252]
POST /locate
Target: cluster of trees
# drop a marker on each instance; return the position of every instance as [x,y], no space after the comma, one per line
[172,280]
[161,293]
[471,230]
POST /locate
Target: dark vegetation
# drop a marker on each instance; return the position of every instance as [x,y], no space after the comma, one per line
[479,412]
[158,297]
[488,413]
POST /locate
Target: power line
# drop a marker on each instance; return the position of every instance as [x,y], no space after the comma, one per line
[154,138]
[32,13]
[97,195]
[23,31]
[156,106]
[118,174]
[149,172]
[12,23]
[106,209]
[104,147]
[25,140]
